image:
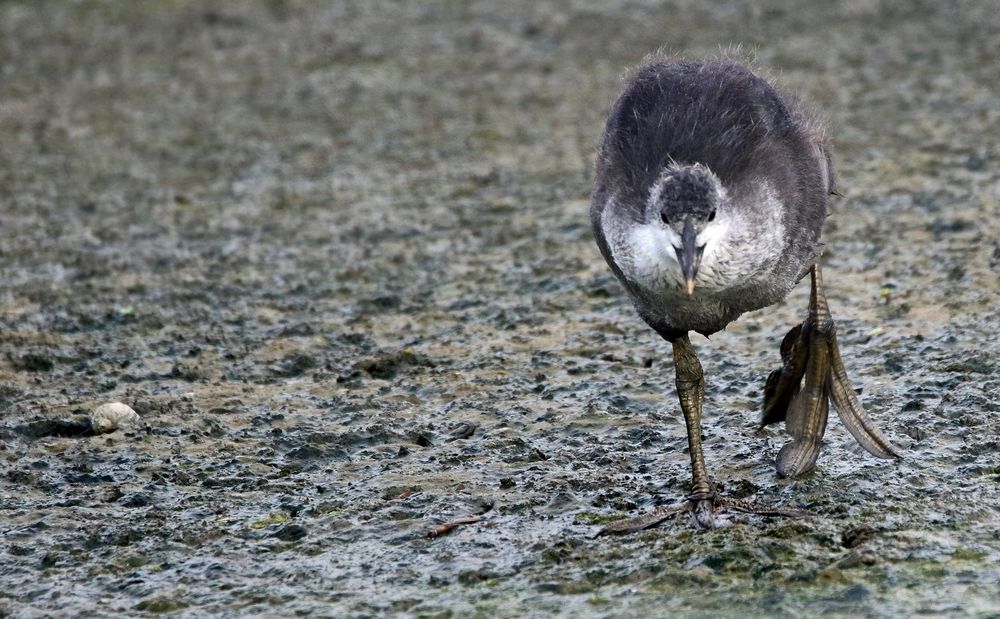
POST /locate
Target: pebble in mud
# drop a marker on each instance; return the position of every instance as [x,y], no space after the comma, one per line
[112,416]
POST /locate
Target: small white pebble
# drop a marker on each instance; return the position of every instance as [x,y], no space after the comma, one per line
[112,416]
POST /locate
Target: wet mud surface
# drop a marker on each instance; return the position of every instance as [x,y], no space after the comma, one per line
[337,257]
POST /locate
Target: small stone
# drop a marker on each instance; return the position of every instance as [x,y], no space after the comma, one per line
[856,536]
[290,533]
[112,416]
[136,500]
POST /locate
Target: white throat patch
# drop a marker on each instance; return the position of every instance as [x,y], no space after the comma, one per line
[740,244]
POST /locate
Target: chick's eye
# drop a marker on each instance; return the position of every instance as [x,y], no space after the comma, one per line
[711,216]
[664,218]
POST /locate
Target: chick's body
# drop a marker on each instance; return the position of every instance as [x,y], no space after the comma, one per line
[713,142]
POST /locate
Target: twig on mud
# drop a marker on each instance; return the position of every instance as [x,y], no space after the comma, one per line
[446,528]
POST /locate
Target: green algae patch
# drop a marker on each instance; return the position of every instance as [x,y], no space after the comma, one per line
[967,554]
[271,520]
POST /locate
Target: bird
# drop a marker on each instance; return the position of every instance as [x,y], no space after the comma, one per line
[710,194]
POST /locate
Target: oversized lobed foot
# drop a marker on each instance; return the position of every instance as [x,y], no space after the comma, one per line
[810,354]
[703,512]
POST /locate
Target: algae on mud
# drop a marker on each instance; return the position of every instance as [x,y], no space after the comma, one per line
[313,248]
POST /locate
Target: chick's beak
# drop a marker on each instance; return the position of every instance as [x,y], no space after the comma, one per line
[689,255]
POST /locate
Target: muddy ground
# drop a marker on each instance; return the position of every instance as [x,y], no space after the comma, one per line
[337,255]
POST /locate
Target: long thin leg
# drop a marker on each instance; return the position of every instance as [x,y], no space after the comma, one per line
[691,392]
